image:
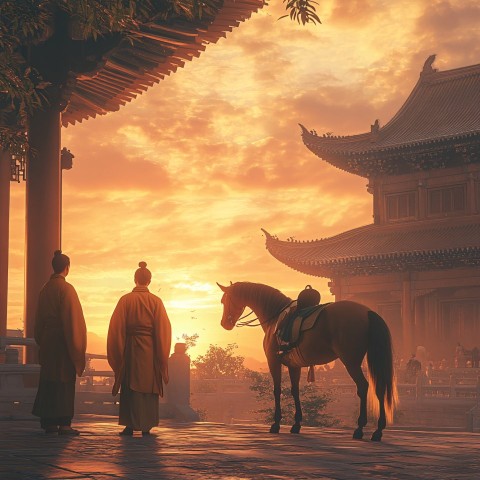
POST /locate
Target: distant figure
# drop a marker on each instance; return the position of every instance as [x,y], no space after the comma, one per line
[475,357]
[429,371]
[138,346]
[413,368]
[443,364]
[460,359]
[421,355]
[61,334]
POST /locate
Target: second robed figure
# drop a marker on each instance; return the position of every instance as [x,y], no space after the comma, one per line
[138,347]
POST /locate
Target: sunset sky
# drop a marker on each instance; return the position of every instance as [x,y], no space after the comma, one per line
[185,176]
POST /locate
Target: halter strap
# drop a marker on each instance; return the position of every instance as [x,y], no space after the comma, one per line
[249,323]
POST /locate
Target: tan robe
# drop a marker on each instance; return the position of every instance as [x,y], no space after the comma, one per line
[60,331]
[138,344]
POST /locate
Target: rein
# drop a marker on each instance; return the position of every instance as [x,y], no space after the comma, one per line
[249,323]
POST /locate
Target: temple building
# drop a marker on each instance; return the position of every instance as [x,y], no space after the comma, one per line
[418,263]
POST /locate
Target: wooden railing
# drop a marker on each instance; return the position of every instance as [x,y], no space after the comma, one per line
[16,341]
[454,383]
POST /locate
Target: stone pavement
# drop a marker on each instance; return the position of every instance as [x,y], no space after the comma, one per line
[216,451]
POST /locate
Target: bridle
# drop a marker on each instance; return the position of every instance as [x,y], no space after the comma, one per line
[250,323]
[231,305]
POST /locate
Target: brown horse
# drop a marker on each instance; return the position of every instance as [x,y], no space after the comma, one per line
[344,330]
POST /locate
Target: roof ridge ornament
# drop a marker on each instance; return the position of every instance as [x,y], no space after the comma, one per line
[427,66]
[374,130]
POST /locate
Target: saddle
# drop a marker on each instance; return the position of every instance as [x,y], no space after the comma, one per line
[292,323]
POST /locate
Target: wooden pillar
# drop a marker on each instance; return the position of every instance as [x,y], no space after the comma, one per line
[422,198]
[43,210]
[5,158]
[335,286]
[375,187]
[471,202]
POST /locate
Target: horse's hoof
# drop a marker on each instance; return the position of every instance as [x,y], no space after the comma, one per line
[275,428]
[358,434]
[295,428]
[377,436]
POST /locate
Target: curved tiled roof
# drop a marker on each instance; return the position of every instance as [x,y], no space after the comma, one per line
[442,106]
[432,245]
[130,68]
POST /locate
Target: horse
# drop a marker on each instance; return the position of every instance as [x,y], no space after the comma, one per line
[345,330]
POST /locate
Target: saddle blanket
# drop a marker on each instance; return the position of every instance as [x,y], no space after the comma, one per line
[292,323]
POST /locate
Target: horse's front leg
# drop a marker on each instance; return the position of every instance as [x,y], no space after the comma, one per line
[295,381]
[276,372]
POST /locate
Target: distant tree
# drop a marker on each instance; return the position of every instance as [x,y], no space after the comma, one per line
[190,340]
[219,362]
[313,402]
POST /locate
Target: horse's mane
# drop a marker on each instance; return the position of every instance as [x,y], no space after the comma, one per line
[272,298]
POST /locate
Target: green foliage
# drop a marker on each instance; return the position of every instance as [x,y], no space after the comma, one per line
[24,23]
[313,402]
[21,89]
[27,22]
[189,9]
[302,11]
[219,362]
[94,18]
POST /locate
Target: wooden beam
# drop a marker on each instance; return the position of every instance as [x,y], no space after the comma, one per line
[163,39]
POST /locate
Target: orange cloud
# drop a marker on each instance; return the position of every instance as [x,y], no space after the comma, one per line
[185,176]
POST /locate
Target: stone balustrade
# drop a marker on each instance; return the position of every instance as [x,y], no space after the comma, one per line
[18,386]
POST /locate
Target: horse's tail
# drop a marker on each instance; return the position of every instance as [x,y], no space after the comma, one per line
[381,373]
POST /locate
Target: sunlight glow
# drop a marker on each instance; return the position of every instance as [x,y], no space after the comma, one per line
[185,176]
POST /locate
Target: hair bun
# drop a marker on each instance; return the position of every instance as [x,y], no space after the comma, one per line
[57,252]
[142,264]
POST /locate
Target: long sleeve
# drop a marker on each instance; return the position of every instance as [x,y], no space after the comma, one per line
[75,329]
[39,324]
[116,343]
[163,340]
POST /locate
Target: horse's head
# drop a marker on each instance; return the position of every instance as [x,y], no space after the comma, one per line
[232,308]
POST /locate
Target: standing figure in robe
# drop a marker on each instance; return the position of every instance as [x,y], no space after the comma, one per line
[61,334]
[138,347]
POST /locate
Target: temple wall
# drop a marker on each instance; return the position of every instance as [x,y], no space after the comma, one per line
[419,184]
[435,309]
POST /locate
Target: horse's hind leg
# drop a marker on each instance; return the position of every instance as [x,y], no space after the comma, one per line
[295,380]
[382,419]
[362,390]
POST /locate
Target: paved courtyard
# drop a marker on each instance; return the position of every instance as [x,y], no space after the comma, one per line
[215,451]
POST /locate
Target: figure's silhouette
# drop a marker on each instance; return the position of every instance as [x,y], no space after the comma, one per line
[344,330]
[475,357]
[61,334]
[413,368]
[138,346]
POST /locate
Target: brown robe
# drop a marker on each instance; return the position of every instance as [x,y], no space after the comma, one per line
[60,331]
[138,343]
[61,334]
